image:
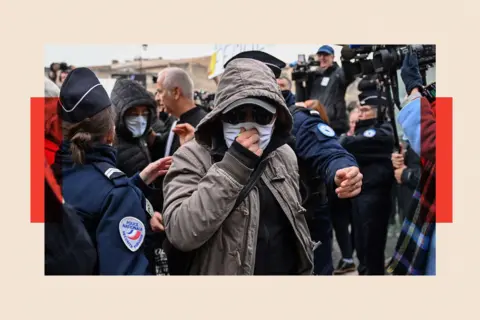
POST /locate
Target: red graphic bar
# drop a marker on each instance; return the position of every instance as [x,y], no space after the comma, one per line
[444,178]
[37,160]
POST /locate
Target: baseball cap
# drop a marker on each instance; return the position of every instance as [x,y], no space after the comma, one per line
[255,101]
[326,49]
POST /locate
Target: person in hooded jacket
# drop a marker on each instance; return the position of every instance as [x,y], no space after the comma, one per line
[136,143]
[329,88]
[372,145]
[315,156]
[241,143]
[112,207]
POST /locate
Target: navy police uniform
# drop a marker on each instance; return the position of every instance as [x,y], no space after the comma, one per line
[319,157]
[111,206]
[372,145]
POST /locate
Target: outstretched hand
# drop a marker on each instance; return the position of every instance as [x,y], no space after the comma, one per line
[155,169]
[185,132]
[349,182]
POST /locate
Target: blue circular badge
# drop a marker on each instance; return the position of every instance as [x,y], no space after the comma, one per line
[370,133]
[326,130]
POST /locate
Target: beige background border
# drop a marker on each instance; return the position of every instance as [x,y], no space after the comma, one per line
[27,26]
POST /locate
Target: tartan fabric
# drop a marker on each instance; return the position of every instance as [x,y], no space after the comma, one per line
[411,251]
[161,262]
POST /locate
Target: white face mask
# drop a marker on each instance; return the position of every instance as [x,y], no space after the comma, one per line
[136,124]
[231,131]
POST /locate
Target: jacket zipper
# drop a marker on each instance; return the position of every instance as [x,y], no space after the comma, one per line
[245,236]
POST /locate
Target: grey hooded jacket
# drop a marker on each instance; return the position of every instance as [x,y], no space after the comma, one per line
[200,193]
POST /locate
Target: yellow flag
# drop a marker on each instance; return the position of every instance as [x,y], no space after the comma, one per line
[213,62]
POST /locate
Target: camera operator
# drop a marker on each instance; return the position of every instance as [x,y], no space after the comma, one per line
[329,88]
[372,145]
[417,118]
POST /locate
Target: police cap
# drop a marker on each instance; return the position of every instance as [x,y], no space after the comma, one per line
[373,98]
[82,96]
[273,63]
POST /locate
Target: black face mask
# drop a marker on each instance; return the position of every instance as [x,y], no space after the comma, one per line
[285,93]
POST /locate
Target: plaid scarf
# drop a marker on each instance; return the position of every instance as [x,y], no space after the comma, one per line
[411,251]
[161,262]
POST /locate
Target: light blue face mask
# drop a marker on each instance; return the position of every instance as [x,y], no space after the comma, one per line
[137,125]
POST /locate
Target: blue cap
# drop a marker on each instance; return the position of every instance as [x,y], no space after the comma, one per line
[326,49]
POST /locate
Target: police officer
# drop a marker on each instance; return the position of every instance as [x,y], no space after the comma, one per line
[328,173]
[113,210]
[326,169]
[372,145]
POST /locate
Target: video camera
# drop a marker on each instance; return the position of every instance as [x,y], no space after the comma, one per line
[304,74]
[385,59]
[204,99]
[378,65]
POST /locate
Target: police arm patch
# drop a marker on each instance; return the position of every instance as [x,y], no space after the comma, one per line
[370,133]
[325,130]
[132,232]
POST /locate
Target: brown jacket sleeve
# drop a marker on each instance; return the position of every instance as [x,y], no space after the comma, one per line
[199,197]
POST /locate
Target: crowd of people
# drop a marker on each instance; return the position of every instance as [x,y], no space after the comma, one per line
[141,183]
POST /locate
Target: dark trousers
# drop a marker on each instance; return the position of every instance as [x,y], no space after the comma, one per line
[320,226]
[341,213]
[371,212]
[395,201]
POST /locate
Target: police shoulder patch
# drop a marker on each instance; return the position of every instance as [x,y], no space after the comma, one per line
[149,208]
[370,133]
[132,232]
[325,130]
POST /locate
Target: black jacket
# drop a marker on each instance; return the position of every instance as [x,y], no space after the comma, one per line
[133,154]
[372,146]
[411,175]
[329,88]
[163,124]
[192,117]
[276,253]
[410,178]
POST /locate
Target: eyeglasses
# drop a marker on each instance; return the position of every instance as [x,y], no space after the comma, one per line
[240,114]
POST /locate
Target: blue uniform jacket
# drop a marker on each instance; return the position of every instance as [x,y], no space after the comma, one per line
[372,145]
[317,145]
[111,206]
